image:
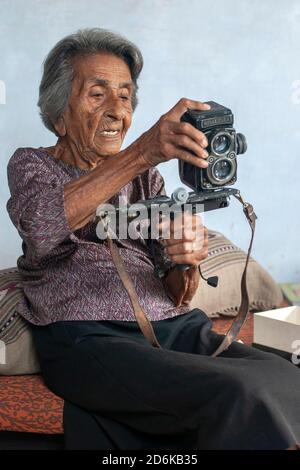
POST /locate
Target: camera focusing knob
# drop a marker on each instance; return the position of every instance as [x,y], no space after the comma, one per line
[241,143]
[179,196]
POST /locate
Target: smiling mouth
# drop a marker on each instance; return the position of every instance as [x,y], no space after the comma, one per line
[110,133]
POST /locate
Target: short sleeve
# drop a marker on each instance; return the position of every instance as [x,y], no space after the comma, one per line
[36,204]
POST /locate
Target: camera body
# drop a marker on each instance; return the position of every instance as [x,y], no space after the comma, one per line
[224,144]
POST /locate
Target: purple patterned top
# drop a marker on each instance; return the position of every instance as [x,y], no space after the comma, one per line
[71,276]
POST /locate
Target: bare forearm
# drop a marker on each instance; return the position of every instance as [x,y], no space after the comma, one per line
[83,195]
[182,285]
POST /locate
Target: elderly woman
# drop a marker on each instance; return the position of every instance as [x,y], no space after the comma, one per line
[120,391]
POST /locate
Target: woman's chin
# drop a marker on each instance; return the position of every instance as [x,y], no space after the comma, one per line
[105,150]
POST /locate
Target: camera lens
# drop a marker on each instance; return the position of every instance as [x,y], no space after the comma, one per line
[221,143]
[222,169]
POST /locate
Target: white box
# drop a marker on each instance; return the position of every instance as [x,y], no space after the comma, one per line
[278,329]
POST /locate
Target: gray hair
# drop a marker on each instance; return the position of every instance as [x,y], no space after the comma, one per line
[56,84]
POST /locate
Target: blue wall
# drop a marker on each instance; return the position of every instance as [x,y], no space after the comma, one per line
[242,53]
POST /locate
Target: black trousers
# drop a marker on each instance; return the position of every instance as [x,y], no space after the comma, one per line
[122,393]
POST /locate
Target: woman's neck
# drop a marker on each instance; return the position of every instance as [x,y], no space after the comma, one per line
[64,152]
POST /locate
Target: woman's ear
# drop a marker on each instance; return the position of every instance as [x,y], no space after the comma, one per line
[60,127]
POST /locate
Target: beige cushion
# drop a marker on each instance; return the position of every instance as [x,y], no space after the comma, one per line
[16,339]
[227,261]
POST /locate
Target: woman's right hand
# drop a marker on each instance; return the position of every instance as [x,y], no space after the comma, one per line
[170,138]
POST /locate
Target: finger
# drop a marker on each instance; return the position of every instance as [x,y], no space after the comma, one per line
[190,229]
[188,157]
[181,220]
[185,128]
[171,151]
[193,235]
[189,244]
[183,105]
[171,236]
[184,142]
[193,259]
[185,247]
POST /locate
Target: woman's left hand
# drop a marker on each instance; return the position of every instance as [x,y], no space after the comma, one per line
[185,239]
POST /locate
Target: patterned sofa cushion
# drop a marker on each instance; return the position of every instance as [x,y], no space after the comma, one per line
[17,353]
[27,405]
[227,261]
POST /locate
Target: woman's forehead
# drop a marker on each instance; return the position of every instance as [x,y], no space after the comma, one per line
[102,68]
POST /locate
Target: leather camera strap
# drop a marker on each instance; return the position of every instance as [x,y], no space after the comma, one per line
[244,306]
[141,317]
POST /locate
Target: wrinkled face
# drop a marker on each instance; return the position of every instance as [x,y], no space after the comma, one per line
[99,111]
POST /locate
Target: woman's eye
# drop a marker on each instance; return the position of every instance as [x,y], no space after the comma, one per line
[98,94]
[125,98]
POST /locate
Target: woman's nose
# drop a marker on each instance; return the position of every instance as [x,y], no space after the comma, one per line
[115,109]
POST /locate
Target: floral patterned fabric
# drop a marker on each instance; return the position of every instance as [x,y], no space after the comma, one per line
[27,405]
